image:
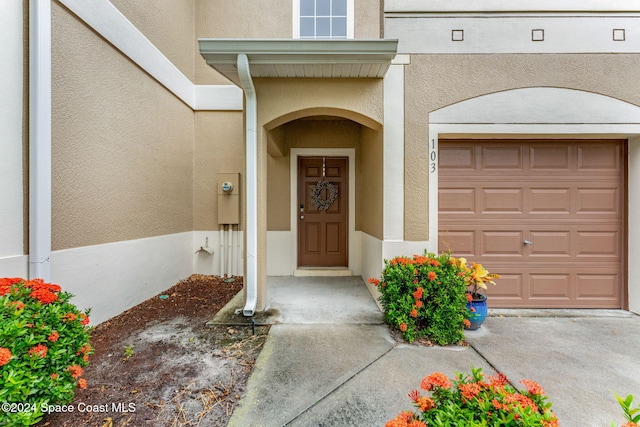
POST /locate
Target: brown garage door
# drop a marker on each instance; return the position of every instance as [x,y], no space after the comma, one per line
[546,215]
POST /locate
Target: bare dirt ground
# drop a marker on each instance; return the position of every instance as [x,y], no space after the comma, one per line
[158,364]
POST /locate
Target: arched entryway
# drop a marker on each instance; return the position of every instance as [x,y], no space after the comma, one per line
[331,150]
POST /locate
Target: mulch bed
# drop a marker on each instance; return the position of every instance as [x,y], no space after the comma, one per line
[158,364]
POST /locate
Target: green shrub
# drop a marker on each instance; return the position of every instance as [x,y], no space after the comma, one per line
[470,400]
[44,343]
[631,414]
[424,297]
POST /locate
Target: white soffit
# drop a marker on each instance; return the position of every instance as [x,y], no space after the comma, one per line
[291,58]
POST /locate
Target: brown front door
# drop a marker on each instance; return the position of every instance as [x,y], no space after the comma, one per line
[546,215]
[322,211]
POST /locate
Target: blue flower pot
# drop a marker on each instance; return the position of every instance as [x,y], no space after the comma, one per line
[477,311]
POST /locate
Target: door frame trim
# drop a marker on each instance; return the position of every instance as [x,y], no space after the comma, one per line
[350,154]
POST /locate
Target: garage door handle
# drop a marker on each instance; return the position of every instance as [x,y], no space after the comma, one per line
[527,242]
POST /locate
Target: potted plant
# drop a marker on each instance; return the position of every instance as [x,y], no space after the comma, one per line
[476,277]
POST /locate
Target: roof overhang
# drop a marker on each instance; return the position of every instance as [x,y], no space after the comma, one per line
[291,58]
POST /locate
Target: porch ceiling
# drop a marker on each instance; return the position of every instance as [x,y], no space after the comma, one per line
[352,58]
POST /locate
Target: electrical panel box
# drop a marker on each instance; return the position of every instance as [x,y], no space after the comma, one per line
[228,198]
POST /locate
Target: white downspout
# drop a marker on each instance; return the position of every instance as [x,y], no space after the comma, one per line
[40,139]
[251,124]
[229,249]
[222,250]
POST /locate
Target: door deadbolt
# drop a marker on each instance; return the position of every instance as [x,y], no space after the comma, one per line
[527,242]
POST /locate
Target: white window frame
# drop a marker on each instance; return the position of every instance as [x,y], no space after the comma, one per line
[350,19]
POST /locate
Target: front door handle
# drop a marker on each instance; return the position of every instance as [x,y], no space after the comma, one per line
[301,216]
[527,242]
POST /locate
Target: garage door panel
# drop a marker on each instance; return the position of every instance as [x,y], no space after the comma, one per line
[502,243]
[598,244]
[556,244]
[550,286]
[600,157]
[599,286]
[603,201]
[556,201]
[566,197]
[502,157]
[459,158]
[461,242]
[509,287]
[545,157]
[505,201]
[457,200]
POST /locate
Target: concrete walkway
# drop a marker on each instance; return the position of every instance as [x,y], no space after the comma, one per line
[328,360]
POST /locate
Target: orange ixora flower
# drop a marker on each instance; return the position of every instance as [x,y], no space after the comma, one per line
[436,379]
[403,327]
[533,387]
[54,376]
[469,390]
[85,319]
[374,281]
[19,305]
[7,282]
[418,304]
[413,313]
[69,317]
[53,337]
[405,419]
[522,401]
[425,403]
[466,323]
[82,383]
[432,275]
[39,350]
[5,356]
[84,349]
[75,371]
[418,293]
[43,295]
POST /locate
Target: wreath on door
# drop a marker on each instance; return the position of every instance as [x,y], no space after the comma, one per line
[316,194]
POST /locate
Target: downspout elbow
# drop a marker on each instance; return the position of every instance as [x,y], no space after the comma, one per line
[251,120]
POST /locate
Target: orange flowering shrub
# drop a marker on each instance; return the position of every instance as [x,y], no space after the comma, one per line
[44,343]
[424,296]
[473,400]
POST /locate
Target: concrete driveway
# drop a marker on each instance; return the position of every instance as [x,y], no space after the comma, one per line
[342,370]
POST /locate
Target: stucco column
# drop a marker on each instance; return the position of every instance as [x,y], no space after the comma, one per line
[262,218]
[393,157]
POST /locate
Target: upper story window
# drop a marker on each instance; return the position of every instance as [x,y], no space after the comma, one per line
[323,19]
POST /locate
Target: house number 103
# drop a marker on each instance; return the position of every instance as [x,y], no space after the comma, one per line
[433,156]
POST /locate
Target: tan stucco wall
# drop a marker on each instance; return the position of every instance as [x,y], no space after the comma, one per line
[368,19]
[369,195]
[218,148]
[121,145]
[239,19]
[435,81]
[169,25]
[278,98]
